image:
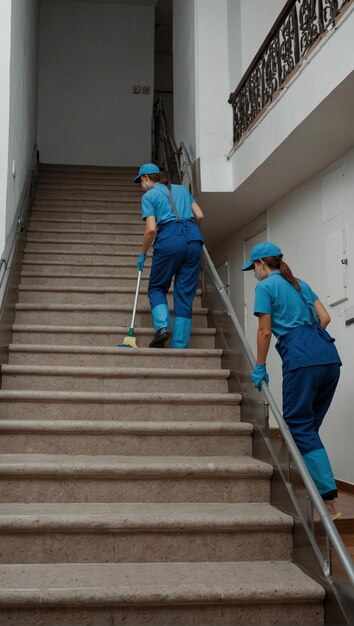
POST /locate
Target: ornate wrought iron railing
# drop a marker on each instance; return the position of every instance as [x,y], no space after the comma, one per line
[300,25]
[164,148]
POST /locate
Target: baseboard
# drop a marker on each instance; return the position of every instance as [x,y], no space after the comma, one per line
[344,486]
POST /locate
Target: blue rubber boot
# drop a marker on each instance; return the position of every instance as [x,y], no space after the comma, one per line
[161,320]
[181,332]
[318,465]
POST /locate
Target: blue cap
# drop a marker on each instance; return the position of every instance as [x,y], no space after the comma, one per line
[147,168]
[261,251]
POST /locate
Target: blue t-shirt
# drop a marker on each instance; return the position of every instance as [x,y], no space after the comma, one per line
[279,298]
[155,202]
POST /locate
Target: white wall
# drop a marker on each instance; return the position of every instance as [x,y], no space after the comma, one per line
[257,19]
[184,75]
[91,55]
[214,119]
[5,45]
[299,224]
[23,99]
[249,22]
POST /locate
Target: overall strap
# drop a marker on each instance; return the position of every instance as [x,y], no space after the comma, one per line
[172,203]
[314,321]
[301,295]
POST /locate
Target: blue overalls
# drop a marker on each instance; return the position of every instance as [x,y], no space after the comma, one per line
[178,253]
[311,368]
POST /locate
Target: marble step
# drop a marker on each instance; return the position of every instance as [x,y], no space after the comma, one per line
[98,256]
[76,225]
[137,406]
[113,379]
[67,478]
[76,437]
[64,278]
[93,194]
[88,214]
[89,314]
[120,243]
[249,592]
[100,356]
[121,267]
[79,294]
[143,533]
[96,336]
[98,204]
[86,183]
[48,169]
[48,237]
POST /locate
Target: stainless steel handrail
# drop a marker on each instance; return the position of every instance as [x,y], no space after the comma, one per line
[20,219]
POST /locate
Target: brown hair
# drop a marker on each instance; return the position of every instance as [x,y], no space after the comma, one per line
[159,178]
[276,263]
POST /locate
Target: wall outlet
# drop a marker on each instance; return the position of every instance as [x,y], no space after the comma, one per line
[136,89]
[145,90]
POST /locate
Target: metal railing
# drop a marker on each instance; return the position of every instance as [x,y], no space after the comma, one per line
[300,26]
[315,542]
[164,149]
[11,258]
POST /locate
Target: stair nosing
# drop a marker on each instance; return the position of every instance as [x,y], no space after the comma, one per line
[121,397]
[119,330]
[138,466]
[122,517]
[128,427]
[182,353]
[113,372]
[171,584]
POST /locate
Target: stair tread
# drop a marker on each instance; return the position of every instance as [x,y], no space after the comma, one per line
[134,397]
[29,274]
[91,307]
[116,372]
[181,353]
[133,516]
[80,289]
[126,427]
[120,330]
[156,583]
[118,465]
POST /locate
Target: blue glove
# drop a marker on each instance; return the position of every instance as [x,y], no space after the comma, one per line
[141,261]
[259,373]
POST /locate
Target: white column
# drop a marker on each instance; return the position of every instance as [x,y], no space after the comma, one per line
[5,50]
[214,113]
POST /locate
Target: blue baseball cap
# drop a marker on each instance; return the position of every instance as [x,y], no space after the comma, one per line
[147,168]
[261,251]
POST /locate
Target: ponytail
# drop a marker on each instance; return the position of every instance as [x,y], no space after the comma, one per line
[288,275]
[276,263]
[160,178]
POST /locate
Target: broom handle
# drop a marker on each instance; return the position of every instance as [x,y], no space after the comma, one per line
[136,299]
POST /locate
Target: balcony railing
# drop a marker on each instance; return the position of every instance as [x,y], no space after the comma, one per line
[301,24]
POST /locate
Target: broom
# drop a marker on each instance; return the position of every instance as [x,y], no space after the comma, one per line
[130,340]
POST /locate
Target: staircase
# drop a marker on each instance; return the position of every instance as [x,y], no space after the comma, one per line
[128,487]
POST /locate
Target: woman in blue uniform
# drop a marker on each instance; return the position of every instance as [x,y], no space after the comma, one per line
[288,308]
[171,215]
